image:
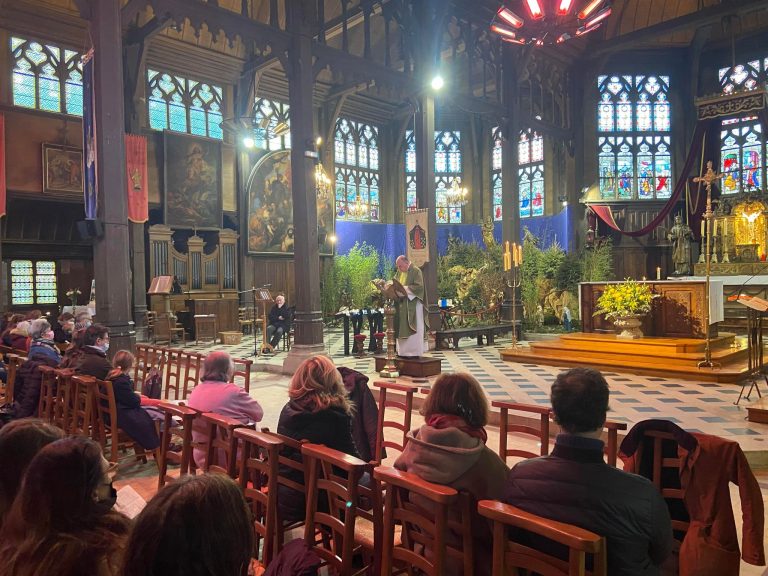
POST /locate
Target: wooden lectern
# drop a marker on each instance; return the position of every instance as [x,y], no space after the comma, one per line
[756,307]
[163,286]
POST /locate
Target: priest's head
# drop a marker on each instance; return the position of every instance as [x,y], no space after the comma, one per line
[402,263]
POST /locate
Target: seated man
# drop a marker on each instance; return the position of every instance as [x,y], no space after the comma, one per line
[574,485]
[279,321]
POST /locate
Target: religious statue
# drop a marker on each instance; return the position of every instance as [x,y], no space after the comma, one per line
[681,235]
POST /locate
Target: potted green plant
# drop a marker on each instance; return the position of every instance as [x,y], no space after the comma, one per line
[626,303]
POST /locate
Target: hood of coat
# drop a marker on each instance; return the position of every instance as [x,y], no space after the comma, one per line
[440,455]
[351,377]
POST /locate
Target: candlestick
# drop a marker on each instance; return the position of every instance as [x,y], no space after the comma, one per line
[520,255]
[658,272]
[714,233]
[725,227]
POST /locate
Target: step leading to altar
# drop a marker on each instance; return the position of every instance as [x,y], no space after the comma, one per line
[653,356]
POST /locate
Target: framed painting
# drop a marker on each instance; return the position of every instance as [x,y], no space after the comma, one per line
[270,209]
[192,181]
[62,169]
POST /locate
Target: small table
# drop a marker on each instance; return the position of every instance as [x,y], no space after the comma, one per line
[205,325]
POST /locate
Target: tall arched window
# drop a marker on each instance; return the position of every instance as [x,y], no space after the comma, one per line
[530,175]
[46,77]
[410,171]
[447,171]
[634,137]
[269,115]
[356,153]
[184,105]
[496,142]
[742,142]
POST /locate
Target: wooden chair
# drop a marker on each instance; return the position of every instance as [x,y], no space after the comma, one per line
[220,444]
[406,406]
[174,367]
[177,427]
[243,370]
[612,445]
[406,499]
[246,320]
[147,357]
[150,319]
[62,400]
[258,463]
[83,413]
[666,477]
[6,392]
[505,428]
[509,556]
[47,393]
[106,427]
[168,328]
[335,476]
[190,369]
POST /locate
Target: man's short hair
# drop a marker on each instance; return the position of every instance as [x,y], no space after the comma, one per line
[93,333]
[579,399]
[217,367]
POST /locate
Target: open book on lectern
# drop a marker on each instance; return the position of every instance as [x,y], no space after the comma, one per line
[391,290]
[754,302]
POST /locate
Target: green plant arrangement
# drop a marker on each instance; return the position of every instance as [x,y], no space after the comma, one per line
[347,279]
[628,298]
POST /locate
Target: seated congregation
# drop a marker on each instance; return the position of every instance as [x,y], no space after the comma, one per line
[235,500]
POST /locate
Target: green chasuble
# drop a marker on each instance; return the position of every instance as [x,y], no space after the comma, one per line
[405,309]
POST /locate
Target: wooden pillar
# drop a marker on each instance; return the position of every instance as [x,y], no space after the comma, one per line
[510,197]
[111,252]
[308,322]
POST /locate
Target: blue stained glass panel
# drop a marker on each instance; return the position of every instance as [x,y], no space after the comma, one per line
[23,89]
[177,117]
[524,190]
[158,114]
[49,92]
[497,195]
[197,121]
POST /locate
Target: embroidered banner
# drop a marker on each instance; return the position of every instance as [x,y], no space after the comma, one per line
[3,188]
[416,239]
[90,183]
[136,178]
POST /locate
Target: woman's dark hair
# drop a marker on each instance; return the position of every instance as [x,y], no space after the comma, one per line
[93,333]
[457,394]
[196,526]
[55,525]
[20,441]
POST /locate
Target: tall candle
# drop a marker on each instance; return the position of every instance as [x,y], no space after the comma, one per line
[725,227]
[715,231]
[520,255]
[658,272]
[514,253]
[702,228]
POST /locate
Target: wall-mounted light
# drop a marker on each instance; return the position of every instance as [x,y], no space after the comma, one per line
[437,82]
[249,142]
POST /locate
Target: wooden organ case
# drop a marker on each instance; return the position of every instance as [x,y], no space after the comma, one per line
[206,276]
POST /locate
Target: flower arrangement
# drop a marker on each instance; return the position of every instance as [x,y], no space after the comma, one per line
[624,299]
[72,294]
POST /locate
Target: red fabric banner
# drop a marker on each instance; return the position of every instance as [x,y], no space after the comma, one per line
[136,178]
[3,188]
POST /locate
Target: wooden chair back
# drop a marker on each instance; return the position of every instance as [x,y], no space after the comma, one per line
[47,393]
[62,400]
[14,361]
[174,373]
[540,433]
[666,477]
[106,419]
[192,363]
[177,428]
[83,413]
[147,357]
[509,556]
[150,319]
[245,319]
[612,444]
[333,478]
[386,405]
[258,463]
[242,373]
[220,443]
[422,509]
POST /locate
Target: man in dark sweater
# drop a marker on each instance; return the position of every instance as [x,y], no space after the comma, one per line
[574,485]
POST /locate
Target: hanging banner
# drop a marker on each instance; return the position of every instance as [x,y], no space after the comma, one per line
[136,178]
[416,239]
[3,187]
[90,183]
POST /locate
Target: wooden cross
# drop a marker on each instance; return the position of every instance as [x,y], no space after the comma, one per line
[709,177]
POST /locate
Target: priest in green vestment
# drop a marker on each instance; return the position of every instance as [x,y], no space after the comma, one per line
[411,321]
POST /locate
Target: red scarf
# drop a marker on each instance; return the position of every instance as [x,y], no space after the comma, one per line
[441,421]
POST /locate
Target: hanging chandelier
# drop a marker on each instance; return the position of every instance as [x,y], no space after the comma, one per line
[541,22]
[322,182]
[456,195]
[358,209]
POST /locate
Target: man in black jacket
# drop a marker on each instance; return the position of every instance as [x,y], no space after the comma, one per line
[574,485]
[279,321]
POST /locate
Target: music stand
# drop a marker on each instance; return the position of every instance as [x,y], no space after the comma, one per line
[756,307]
[262,295]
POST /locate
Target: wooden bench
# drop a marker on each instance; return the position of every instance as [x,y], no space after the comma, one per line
[489,332]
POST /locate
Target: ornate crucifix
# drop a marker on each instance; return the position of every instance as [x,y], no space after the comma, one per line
[708,178]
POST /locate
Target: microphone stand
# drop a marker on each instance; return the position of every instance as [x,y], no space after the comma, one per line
[252,290]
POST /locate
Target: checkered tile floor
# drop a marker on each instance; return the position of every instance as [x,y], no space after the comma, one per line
[696,406]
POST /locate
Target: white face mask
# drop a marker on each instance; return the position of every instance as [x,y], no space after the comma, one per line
[48,335]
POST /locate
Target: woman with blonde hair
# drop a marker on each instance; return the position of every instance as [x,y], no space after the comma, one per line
[318,411]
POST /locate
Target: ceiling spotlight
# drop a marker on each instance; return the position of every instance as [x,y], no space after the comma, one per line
[319,141]
[564,7]
[509,17]
[522,41]
[437,82]
[599,17]
[589,8]
[249,142]
[503,31]
[587,29]
[535,9]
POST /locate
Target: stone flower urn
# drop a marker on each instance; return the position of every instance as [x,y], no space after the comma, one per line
[629,326]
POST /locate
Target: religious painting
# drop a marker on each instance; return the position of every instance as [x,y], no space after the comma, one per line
[270,209]
[62,169]
[192,182]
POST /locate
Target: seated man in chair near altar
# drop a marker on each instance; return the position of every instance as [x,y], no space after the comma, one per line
[411,321]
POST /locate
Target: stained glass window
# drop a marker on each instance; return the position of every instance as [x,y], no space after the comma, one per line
[447,171]
[411,202]
[356,154]
[633,120]
[183,105]
[742,142]
[530,175]
[271,125]
[496,149]
[33,282]
[46,77]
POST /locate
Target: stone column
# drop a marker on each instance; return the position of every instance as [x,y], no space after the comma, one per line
[308,321]
[111,252]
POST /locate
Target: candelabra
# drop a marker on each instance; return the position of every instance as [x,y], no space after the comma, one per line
[513,277]
[390,368]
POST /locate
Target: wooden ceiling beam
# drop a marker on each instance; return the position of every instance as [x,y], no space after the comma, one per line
[132,9]
[138,35]
[705,17]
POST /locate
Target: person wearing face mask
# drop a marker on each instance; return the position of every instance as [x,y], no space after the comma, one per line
[42,352]
[62,521]
[93,361]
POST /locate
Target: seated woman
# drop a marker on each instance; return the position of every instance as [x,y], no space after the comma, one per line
[93,358]
[450,450]
[318,411]
[196,526]
[20,441]
[217,394]
[19,337]
[12,323]
[62,520]
[279,321]
[131,417]
[63,328]
[42,352]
